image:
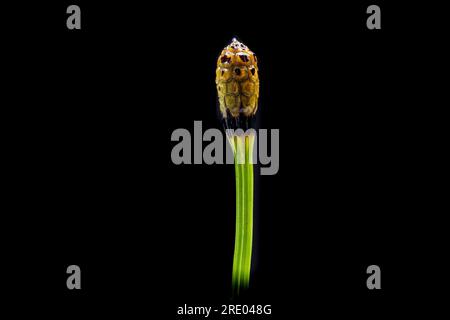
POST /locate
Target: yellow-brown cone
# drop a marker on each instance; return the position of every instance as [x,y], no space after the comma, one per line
[237,81]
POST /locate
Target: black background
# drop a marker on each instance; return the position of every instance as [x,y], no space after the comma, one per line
[94,184]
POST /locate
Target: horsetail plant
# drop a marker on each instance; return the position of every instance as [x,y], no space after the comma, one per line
[237,84]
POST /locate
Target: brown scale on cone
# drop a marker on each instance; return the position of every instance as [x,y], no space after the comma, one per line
[237,81]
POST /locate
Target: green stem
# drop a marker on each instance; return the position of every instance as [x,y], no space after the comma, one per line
[239,240]
[243,147]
